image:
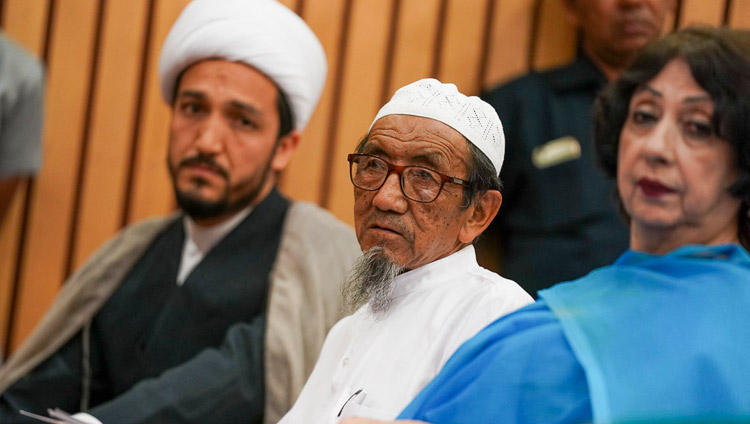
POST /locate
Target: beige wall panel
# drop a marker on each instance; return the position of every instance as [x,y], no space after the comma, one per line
[463,44]
[303,177]
[739,15]
[112,129]
[152,190]
[360,97]
[25,21]
[701,12]
[415,42]
[555,39]
[43,267]
[509,42]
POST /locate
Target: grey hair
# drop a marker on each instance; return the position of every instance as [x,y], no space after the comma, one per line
[371,282]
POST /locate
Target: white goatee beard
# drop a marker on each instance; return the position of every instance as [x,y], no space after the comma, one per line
[371,282]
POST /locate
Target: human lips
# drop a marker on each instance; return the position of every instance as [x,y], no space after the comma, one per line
[634,26]
[385,229]
[653,188]
[201,166]
[388,228]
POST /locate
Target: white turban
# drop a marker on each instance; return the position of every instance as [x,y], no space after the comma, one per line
[471,116]
[261,33]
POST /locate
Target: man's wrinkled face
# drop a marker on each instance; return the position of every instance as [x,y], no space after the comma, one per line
[411,233]
[223,138]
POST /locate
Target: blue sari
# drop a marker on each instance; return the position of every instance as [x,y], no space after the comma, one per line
[649,338]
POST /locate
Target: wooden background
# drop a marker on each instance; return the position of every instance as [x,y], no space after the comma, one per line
[105,129]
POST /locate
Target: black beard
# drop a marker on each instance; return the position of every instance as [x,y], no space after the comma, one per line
[371,282]
[200,209]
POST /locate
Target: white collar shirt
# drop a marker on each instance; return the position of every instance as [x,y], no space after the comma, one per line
[372,366]
[200,240]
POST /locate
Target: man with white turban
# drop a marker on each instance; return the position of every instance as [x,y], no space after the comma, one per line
[216,313]
[425,186]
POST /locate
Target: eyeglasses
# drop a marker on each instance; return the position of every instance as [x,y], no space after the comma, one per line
[369,172]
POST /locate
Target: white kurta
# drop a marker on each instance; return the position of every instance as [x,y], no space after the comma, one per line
[373,366]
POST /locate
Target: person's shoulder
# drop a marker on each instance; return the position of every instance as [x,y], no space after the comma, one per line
[497,283]
[533,81]
[17,62]
[306,216]
[310,228]
[147,227]
[309,222]
[528,92]
[143,231]
[489,294]
[513,88]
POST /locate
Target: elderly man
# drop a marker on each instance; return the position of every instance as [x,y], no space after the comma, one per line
[426,186]
[561,219]
[216,314]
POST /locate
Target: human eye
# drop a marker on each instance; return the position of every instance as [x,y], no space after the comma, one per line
[242,121]
[643,116]
[372,164]
[422,177]
[698,129]
[191,107]
[424,174]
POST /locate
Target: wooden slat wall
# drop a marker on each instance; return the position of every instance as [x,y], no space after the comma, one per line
[106,126]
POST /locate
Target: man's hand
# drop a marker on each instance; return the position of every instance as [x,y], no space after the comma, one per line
[369,421]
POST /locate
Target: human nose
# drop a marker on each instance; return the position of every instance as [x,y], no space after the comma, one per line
[389,196]
[210,139]
[659,144]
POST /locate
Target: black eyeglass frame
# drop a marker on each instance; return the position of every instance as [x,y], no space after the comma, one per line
[399,169]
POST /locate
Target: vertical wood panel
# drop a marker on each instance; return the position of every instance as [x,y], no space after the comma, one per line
[25,23]
[739,15]
[412,56]
[463,44]
[701,12]
[43,265]
[9,244]
[152,190]
[556,38]
[360,99]
[303,178]
[509,42]
[111,126]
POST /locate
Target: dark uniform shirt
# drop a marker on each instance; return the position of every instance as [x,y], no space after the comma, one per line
[559,218]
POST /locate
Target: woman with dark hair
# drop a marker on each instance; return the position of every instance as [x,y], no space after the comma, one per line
[660,335]
[719,62]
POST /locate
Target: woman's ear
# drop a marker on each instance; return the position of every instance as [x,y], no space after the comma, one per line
[482,211]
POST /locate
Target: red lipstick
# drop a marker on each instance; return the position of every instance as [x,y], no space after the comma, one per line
[652,188]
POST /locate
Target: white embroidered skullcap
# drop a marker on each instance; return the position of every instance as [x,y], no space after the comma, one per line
[471,116]
[261,33]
